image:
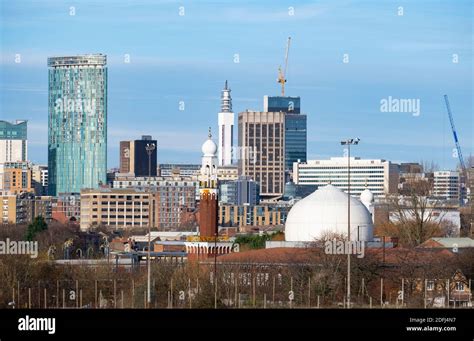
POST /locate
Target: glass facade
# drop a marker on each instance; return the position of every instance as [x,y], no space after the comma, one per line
[13,131]
[284,104]
[295,127]
[295,139]
[77,141]
[243,191]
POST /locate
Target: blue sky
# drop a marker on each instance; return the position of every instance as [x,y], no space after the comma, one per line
[187,58]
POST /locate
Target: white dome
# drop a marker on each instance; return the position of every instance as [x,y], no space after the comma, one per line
[209,148]
[367,197]
[325,212]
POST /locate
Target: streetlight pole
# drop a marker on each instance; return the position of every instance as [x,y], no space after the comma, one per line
[150,147]
[348,143]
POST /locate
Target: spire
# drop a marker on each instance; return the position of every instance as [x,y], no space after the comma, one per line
[226,99]
[209,134]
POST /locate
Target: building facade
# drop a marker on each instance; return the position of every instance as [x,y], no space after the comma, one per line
[126,181]
[22,208]
[165,206]
[282,103]
[262,144]
[379,176]
[39,175]
[295,139]
[13,141]
[226,128]
[293,191]
[249,216]
[243,191]
[446,185]
[227,173]
[16,177]
[169,170]
[295,127]
[77,143]
[9,209]
[134,157]
[116,208]
[66,208]
[174,202]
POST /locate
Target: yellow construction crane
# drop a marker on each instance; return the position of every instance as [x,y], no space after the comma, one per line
[282,74]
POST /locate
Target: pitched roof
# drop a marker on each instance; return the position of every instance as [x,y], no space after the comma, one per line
[448,242]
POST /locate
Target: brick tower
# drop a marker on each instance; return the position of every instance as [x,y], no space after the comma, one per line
[208,210]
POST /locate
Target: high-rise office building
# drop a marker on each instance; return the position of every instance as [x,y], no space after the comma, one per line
[13,141]
[226,128]
[295,127]
[379,176]
[134,157]
[262,144]
[77,145]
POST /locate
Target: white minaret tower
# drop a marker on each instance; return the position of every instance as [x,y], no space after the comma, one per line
[226,128]
[208,176]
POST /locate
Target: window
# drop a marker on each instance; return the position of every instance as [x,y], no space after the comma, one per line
[459,286]
[430,285]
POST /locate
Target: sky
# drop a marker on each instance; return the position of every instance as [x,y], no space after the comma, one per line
[346,58]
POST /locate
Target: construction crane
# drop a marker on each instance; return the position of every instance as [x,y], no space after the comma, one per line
[282,73]
[455,135]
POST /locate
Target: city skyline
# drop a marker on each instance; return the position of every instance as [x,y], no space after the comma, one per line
[409,58]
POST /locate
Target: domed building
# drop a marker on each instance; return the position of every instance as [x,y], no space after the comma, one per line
[209,147]
[206,244]
[324,212]
[367,198]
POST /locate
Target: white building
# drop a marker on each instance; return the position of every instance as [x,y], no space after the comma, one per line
[40,179]
[226,128]
[324,213]
[446,185]
[208,175]
[13,141]
[378,176]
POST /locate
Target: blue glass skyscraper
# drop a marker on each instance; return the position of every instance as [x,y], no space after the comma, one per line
[77,125]
[295,127]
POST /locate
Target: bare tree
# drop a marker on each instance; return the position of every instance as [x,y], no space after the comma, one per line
[470,161]
[429,166]
[413,219]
